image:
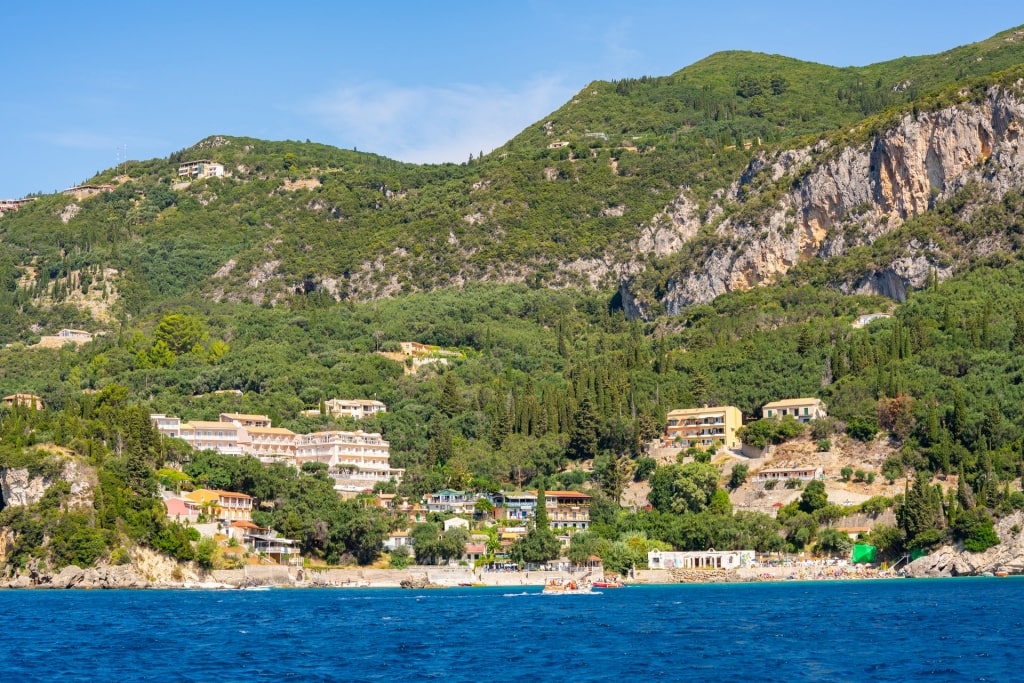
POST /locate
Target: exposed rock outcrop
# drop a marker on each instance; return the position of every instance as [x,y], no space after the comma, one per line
[419,582]
[19,487]
[821,202]
[955,561]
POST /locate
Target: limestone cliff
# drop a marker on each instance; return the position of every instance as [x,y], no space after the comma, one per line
[821,201]
[22,486]
[25,486]
[955,561]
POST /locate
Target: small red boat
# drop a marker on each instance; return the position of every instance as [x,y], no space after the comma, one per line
[609,584]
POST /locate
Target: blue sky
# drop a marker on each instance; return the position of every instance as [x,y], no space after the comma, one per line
[422,81]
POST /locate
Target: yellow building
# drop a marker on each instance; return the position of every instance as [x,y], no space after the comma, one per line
[222,505]
[704,427]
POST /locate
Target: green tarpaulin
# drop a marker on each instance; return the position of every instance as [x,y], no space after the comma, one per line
[916,553]
[863,553]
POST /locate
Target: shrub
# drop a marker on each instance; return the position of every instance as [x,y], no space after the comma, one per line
[821,429]
[834,542]
[644,467]
[975,528]
[738,475]
[876,505]
[760,433]
[862,429]
[824,445]
[893,469]
[399,558]
[846,473]
[206,553]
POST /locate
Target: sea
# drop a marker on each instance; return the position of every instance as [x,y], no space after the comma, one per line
[886,630]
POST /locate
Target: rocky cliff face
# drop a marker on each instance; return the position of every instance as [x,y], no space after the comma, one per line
[20,487]
[821,202]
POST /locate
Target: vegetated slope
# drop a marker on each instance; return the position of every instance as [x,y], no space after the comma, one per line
[581,198]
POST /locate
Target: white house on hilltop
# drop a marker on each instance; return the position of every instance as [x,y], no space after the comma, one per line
[201,168]
[356,408]
[803,409]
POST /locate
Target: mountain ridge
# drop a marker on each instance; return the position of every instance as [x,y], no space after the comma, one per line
[572,201]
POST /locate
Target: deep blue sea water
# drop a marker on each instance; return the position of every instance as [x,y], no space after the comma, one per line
[909,630]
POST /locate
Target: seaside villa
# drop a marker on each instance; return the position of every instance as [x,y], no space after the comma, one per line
[700,559]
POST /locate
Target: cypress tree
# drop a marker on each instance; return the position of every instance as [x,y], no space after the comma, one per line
[583,433]
[1017,342]
[451,400]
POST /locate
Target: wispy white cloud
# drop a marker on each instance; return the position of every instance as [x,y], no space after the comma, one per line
[84,140]
[433,124]
[135,145]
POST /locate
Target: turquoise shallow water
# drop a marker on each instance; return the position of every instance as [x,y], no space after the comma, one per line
[911,630]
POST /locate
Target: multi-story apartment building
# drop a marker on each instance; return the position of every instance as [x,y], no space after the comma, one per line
[356,408]
[704,427]
[452,502]
[803,409]
[269,444]
[201,168]
[568,510]
[168,425]
[355,460]
[565,509]
[516,506]
[225,506]
[212,436]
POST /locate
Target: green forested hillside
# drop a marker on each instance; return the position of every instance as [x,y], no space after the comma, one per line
[279,283]
[303,216]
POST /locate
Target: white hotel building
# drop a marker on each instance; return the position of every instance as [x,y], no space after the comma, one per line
[355,460]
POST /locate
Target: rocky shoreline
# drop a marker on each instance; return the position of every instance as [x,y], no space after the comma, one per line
[151,570]
[128,577]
